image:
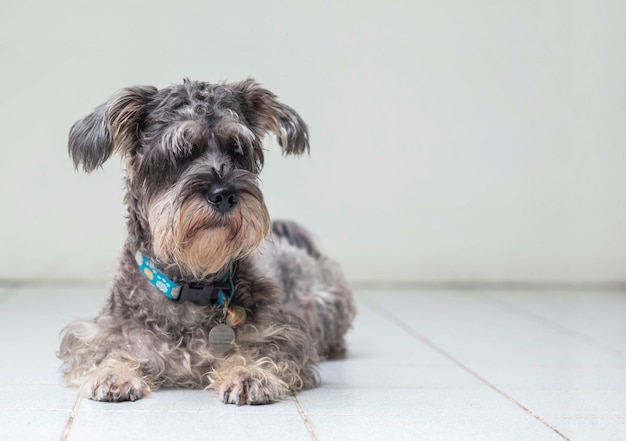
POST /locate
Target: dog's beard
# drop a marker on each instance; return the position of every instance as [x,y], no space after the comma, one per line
[200,240]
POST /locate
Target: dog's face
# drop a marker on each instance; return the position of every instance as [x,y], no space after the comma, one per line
[193,153]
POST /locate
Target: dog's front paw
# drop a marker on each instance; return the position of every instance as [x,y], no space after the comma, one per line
[245,390]
[111,386]
[249,388]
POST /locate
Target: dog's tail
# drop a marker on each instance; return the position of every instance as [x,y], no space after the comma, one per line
[296,235]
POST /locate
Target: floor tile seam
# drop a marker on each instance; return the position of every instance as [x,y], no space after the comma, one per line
[389,315]
[520,311]
[308,424]
[71,418]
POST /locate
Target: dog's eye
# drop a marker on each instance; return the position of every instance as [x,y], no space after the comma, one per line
[237,149]
[188,151]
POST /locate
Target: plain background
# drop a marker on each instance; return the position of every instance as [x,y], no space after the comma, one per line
[452,140]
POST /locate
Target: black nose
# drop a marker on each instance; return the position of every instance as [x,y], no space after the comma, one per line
[222,198]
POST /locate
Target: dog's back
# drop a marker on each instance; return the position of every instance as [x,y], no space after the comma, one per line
[313,286]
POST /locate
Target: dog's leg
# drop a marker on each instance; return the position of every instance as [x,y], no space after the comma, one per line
[269,363]
[117,378]
[96,362]
[241,380]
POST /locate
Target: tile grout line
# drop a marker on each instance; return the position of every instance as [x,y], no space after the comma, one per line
[305,418]
[400,323]
[518,310]
[70,420]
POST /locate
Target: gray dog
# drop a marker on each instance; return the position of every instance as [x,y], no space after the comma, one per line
[204,295]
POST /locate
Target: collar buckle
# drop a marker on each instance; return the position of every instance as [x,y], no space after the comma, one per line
[198,293]
[203,294]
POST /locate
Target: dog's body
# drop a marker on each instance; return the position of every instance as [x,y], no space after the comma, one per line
[197,222]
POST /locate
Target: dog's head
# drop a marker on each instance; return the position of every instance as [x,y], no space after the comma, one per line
[193,153]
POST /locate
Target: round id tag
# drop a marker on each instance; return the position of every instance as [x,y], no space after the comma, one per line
[221,338]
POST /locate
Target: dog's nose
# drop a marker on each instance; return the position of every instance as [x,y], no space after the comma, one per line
[222,198]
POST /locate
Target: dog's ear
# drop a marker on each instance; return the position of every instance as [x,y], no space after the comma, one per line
[111,127]
[266,114]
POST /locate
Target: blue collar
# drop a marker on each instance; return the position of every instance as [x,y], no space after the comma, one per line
[204,294]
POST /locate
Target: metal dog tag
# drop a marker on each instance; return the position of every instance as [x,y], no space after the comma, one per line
[221,338]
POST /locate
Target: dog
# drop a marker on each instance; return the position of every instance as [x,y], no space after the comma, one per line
[208,293]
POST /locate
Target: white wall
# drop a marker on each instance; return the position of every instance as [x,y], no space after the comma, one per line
[452,140]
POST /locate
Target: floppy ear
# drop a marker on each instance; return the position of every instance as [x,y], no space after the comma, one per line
[266,114]
[112,126]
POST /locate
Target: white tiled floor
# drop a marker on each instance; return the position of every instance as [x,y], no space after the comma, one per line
[422,365]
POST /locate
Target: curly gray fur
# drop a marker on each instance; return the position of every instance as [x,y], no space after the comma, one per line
[180,144]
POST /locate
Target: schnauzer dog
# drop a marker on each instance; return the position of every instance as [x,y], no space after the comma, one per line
[209,293]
